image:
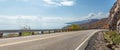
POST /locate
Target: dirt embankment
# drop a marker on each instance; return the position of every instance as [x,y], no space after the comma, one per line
[97,42]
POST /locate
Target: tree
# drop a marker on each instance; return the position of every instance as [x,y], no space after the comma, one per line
[26,27]
[74,27]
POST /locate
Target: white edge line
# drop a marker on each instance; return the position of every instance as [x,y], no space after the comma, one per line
[85,40]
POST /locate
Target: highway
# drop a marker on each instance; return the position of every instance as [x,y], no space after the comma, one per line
[56,41]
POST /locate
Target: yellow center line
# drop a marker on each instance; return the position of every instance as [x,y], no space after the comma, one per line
[19,42]
[25,41]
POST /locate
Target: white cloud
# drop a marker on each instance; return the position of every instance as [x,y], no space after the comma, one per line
[35,22]
[49,2]
[98,15]
[60,2]
[16,22]
[67,3]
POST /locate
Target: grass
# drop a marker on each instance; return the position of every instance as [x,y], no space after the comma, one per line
[26,33]
[10,35]
[16,34]
[112,37]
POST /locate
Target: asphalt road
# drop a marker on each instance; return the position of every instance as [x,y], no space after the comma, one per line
[56,41]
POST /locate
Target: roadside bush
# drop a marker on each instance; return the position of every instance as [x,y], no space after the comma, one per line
[29,33]
[112,36]
[107,38]
[75,27]
[10,35]
[26,33]
[116,40]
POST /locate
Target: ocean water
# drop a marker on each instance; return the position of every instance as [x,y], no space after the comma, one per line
[35,26]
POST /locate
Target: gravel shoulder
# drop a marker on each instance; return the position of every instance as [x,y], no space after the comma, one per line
[97,42]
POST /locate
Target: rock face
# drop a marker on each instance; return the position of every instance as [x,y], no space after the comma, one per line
[114,17]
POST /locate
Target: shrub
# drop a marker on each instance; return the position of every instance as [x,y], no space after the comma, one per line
[11,35]
[75,27]
[26,33]
[116,40]
[112,36]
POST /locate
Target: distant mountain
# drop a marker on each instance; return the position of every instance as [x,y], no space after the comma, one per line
[84,21]
[91,24]
[103,23]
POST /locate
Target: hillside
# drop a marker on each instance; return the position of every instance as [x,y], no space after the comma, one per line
[84,21]
[93,24]
[103,23]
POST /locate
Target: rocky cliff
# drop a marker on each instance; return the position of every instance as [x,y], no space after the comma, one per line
[114,17]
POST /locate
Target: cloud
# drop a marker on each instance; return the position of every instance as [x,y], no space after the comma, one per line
[38,22]
[47,2]
[17,22]
[67,3]
[60,2]
[98,15]
[35,22]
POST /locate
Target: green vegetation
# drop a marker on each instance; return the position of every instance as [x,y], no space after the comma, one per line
[75,27]
[10,35]
[26,33]
[112,37]
[16,34]
[29,33]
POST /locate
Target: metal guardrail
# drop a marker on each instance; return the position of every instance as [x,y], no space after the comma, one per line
[35,30]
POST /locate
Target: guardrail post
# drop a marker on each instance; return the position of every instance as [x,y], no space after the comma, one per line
[59,31]
[54,31]
[33,33]
[66,30]
[62,30]
[42,32]
[1,34]
[49,31]
[20,33]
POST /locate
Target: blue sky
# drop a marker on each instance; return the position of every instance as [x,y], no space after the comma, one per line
[50,14]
